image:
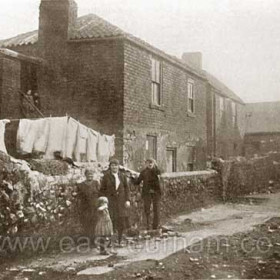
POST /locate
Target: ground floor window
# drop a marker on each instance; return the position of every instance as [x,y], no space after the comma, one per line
[191,158]
[151,147]
[171,155]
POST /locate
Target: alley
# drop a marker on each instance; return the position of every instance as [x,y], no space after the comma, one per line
[222,219]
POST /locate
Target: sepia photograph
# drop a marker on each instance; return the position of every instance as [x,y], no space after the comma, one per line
[139,139]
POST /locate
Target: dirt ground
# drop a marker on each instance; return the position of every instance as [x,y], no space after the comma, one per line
[238,240]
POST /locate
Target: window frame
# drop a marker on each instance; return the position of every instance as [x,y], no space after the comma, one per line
[174,157]
[234,112]
[191,164]
[155,144]
[191,96]
[156,82]
[222,103]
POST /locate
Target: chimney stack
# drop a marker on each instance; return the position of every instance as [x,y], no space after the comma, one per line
[57,19]
[194,59]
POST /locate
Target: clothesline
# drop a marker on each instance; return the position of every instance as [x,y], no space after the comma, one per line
[116,137]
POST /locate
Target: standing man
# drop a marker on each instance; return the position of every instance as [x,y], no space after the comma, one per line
[151,191]
[114,186]
[87,192]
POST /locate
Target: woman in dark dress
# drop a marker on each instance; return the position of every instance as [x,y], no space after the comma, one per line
[88,191]
[114,186]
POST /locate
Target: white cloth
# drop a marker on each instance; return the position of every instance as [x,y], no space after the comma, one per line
[111,144]
[117,180]
[2,135]
[71,137]
[103,154]
[42,127]
[26,136]
[81,144]
[92,145]
[57,136]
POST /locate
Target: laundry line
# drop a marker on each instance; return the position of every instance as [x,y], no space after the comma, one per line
[64,136]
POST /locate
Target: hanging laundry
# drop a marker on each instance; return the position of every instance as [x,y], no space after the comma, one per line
[111,143]
[26,136]
[2,135]
[57,136]
[71,137]
[103,153]
[92,145]
[41,137]
[81,144]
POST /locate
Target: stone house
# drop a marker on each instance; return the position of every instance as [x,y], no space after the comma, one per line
[262,128]
[154,103]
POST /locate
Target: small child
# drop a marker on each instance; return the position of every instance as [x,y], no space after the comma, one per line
[104,227]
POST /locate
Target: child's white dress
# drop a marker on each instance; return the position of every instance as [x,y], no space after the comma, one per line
[104,226]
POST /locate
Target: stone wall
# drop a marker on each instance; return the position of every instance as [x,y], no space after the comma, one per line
[34,204]
[261,143]
[243,177]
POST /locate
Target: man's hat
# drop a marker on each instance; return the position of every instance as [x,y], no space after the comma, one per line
[114,161]
[150,160]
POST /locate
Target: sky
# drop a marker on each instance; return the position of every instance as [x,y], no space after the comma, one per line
[239,39]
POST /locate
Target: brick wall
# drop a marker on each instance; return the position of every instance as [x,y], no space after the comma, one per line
[229,136]
[170,123]
[211,124]
[1,82]
[30,49]
[10,84]
[92,89]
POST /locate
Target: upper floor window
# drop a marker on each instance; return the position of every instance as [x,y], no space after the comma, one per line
[234,112]
[190,96]
[156,82]
[222,104]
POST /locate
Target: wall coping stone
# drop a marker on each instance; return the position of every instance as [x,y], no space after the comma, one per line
[188,174]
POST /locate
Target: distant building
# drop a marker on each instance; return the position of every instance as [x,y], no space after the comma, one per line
[155,103]
[262,128]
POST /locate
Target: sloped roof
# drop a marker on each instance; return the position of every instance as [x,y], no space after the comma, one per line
[19,40]
[263,117]
[86,27]
[222,88]
[13,54]
[92,26]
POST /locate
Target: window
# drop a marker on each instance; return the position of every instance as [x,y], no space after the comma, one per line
[171,154]
[28,77]
[190,96]
[234,113]
[222,104]
[151,147]
[191,158]
[156,82]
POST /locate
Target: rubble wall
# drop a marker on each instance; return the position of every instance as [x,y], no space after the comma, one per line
[244,177]
[37,204]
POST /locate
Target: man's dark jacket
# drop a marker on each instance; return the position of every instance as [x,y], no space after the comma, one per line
[150,180]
